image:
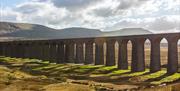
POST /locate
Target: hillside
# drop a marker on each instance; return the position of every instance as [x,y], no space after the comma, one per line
[6,27]
[24,30]
[127,31]
[18,74]
[63,33]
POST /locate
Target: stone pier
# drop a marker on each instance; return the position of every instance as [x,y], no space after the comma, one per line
[83,51]
[138,62]
[122,54]
[89,52]
[110,53]
[99,51]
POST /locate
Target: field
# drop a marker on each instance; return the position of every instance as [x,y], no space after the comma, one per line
[17,74]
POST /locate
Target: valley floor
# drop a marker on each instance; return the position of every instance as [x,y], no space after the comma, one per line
[18,74]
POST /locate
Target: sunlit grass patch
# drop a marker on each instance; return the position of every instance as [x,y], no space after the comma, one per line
[118,72]
[36,66]
[9,59]
[68,68]
[153,75]
[167,79]
[4,69]
[6,75]
[45,62]
[132,74]
[83,69]
[32,60]
[148,76]
[89,66]
[5,59]
[105,69]
[45,67]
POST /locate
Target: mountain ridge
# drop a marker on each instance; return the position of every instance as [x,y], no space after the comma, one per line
[25,30]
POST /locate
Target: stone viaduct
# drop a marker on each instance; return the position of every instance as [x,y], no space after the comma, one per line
[80,50]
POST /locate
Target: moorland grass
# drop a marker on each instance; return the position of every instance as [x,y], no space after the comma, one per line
[155,78]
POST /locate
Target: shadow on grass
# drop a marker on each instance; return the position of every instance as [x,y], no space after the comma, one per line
[4,63]
[72,69]
[97,73]
[157,78]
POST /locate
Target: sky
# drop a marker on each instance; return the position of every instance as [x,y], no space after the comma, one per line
[158,16]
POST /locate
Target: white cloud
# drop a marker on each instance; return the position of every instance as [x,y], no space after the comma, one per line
[37,12]
[155,15]
[166,23]
[154,24]
[74,4]
[8,14]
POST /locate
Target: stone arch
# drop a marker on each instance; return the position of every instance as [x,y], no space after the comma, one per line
[164,52]
[138,63]
[84,50]
[57,52]
[73,51]
[60,52]
[172,64]
[147,52]
[39,49]
[99,51]
[178,55]
[155,63]
[79,51]
[4,49]
[129,52]
[109,52]
[20,50]
[123,53]
[105,51]
[69,51]
[52,51]
[94,47]
[27,50]
[116,51]
[8,50]
[75,46]
[1,48]
[88,52]
[46,51]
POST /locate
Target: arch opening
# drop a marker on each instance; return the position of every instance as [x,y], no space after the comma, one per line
[178,46]
[147,52]
[164,53]
[129,52]
[84,51]
[116,48]
[94,50]
[75,51]
[104,51]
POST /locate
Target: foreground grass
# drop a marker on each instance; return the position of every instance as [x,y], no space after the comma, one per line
[167,79]
[111,73]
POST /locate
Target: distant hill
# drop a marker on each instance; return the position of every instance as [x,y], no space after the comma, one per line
[6,27]
[127,31]
[62,33]
[24,30]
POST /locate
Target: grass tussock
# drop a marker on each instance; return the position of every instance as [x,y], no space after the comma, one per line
[98,73]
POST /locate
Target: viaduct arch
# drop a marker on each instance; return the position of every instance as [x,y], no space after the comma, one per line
[73,50]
